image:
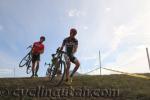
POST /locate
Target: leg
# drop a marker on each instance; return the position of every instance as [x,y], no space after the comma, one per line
[37,64]
[77,64]
[67,60]
[67,70]
[37,67]
[33,65]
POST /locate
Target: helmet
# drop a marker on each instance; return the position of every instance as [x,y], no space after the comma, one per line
[73,30]
[42,37]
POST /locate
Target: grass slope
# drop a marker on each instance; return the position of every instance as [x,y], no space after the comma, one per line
[130,88]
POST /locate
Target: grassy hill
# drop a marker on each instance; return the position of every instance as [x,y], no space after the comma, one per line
[107,87]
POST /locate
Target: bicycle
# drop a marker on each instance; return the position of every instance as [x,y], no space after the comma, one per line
[48,69]
[26,61]
[56,71]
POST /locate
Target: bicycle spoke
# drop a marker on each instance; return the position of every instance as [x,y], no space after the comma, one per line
[24,61]
[59,73]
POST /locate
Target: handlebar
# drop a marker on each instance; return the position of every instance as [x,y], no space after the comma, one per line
[47,64]
[29,47]
[53,55]
[60,51]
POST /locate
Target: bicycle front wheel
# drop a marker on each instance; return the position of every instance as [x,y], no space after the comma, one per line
[58,73]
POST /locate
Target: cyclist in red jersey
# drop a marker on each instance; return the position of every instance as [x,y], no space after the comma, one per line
[37,49]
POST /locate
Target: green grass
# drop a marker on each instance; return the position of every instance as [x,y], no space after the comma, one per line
[130,88]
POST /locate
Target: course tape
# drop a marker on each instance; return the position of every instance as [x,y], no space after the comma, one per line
[129,74]
[134,75]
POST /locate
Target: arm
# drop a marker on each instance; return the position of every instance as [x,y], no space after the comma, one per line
[75,47]
[42,51]
[62,46]
[32,47]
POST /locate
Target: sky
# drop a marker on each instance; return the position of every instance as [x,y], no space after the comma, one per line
[118,28]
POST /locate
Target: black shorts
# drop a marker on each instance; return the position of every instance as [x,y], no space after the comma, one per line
[72,58]
[35,57]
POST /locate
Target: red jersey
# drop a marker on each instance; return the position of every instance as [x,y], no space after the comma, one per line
[37,48]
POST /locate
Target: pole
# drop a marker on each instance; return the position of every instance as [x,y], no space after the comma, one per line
[100,62]
[148,57]
[14,71]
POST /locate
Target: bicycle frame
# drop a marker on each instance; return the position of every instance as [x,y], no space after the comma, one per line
[59,56]
[57,69]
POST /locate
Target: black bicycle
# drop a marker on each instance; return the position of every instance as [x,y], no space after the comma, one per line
[26,61]
[56,71]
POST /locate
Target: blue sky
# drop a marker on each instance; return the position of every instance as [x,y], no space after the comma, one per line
[119,28]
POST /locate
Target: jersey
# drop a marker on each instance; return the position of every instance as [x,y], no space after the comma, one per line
[37,48]
[69,44]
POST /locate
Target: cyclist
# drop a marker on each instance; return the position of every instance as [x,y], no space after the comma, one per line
[71,45]
[37,49]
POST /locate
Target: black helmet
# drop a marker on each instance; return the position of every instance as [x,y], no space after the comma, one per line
[42,37]
[73,30]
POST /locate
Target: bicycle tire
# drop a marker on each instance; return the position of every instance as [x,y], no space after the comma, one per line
[53,72]
[29,68]
[26,58]
[59,80]
[63,70]
[49,71]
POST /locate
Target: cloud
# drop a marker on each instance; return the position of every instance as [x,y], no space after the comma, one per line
[119,34]
[108,9]
[132,34]
[128,42]
[75,13]
[122,32]
[130,61]
[85,28]
[124,27]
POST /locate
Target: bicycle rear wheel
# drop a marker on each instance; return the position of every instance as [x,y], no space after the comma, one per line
[24,60]
[49,71]
[59,73]
[52,72]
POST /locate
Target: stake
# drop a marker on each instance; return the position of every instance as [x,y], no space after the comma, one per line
[148,57]
[100,61]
